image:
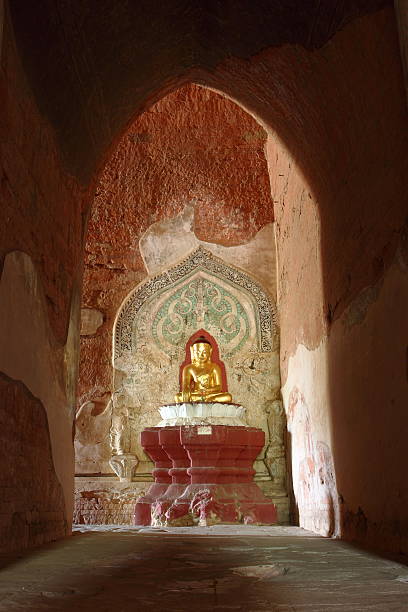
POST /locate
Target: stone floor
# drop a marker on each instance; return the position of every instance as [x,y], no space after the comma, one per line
[218,568]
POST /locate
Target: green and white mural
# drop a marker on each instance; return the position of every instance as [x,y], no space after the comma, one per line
[201,303]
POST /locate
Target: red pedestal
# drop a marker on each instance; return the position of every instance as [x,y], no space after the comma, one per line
[162,479]
[212,477]
[169,438]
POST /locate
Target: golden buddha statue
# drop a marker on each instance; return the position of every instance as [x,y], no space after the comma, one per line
[201,379]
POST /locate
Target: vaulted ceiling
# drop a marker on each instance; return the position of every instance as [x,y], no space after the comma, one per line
[95,63]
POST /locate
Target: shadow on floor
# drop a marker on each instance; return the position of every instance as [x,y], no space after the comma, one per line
[277,568]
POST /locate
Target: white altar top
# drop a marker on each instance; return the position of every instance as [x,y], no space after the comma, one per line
[202,413]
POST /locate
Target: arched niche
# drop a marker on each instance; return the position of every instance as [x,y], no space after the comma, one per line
[154,325]
[200,265]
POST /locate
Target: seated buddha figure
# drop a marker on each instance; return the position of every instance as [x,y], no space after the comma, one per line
[201,379]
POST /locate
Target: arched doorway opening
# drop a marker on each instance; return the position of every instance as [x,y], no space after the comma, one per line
[189,173]
[318,88]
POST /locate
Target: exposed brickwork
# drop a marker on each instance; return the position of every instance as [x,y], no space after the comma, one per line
[32,509]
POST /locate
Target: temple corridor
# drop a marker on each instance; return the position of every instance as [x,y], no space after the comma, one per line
[203,305]
[217,568]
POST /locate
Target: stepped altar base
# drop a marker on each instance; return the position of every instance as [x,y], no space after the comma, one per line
[162,479]
[203,468]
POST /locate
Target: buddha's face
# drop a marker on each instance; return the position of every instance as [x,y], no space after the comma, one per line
[201,353]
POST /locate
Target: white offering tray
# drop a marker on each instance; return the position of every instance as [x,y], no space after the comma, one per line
[202,413]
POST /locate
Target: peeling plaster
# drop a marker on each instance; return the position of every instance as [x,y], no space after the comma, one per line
[306,400]
[31,355]
[166,242]
[345,401]
[91,321]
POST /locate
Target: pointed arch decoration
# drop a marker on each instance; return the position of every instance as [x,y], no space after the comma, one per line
[199,260]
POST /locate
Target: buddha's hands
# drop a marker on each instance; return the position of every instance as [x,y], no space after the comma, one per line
[204,383]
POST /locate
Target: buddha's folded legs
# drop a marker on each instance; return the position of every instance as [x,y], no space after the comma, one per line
[211,397]
[198,397]
[220,397]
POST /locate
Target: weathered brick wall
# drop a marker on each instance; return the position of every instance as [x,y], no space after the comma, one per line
[32,509]
[40,217]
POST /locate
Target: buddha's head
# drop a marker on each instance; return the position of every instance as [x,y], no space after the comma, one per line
[200,351]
